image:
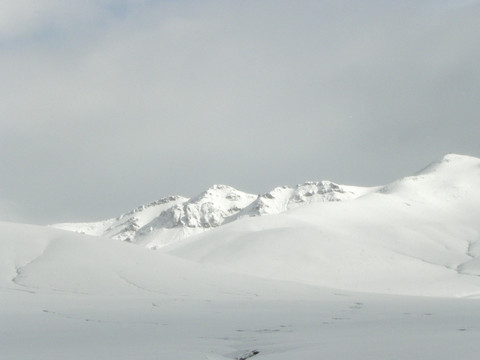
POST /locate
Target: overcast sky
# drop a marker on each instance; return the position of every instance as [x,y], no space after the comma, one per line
[109,104]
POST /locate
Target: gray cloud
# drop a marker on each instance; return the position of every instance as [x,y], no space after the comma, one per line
[106,105]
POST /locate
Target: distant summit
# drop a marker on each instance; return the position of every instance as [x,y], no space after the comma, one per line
[176,218]
[285,198]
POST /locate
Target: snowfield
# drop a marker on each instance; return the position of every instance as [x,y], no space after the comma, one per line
[317,271]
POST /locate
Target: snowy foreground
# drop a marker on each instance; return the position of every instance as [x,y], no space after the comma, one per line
[71,296]
[392,273]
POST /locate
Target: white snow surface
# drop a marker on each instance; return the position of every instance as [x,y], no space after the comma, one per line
[175,218]
[302,283]
[285,198]
[126,226]
[417,236]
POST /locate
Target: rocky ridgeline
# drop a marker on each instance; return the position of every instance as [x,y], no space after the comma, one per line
[177,217]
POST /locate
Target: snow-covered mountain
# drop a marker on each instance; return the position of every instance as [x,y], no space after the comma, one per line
[175,218]
[67,295]
[451,184]
[285,198]
[325,269]
[422,233]
[416,235]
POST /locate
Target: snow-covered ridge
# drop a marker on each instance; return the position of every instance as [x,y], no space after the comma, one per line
[421,233]
[265,283]
[125,226]
[285,198]
[451,176]
[175,218]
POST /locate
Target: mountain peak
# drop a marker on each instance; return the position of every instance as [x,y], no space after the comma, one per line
[174,218]
[219,191]
[458,157]
[451,176]
[451,163]
[284,198]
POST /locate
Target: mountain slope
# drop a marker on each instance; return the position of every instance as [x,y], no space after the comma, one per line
[173,219]
[40,260]
[66,295]
[285,198]
[418,235]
